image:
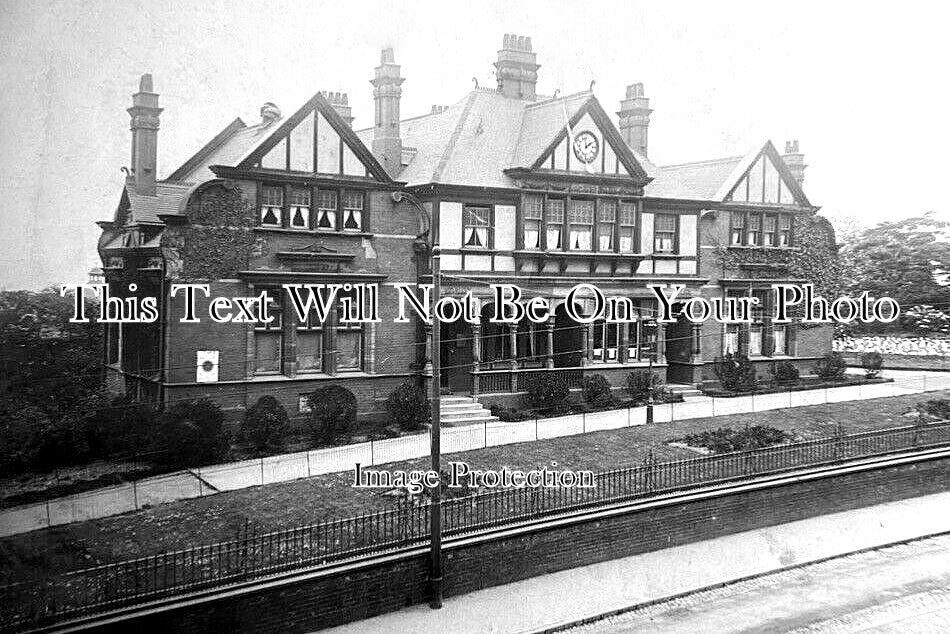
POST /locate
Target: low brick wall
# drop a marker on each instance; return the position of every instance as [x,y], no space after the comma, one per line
[309,603]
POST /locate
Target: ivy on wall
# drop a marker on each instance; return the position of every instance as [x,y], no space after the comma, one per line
[219,240]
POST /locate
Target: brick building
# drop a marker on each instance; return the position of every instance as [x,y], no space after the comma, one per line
[541,191]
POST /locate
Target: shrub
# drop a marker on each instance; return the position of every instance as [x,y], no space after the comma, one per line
[550,392]
[192,433]
[934,410]
[597,390]
[332,412]
[736,373]
[409,407]
[640,384]
[872,362]
[22,437]
[265,424]
[831,366]
[785,373]
[123,427]
[726,439]
[508,414]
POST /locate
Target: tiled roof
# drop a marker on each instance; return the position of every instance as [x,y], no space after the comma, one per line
[694,181]
[168,199]
[228,150]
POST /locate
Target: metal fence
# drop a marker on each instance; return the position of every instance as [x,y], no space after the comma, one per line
[255,555]
[281,468]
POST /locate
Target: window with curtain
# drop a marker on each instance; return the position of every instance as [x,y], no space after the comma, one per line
[769,234]
[353,211]
[268,338]
[327,209]
[730,342]
[554,219]
[606,223]
[755,226]
[738,226]
[300,208]
[664,233]
[784,230]
[477,227]
[272,205]
[779,339]
[533,209]
[581,225]
[628,225]
[606,341]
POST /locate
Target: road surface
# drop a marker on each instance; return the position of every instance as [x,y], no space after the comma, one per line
[897,589]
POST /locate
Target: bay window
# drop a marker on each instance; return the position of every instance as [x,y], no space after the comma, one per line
[272,205]
[532,212]
[664,233]
[477,227]
[300,208]
[581,225]
[554,219]
[760,229]
[606,222]
[628,225]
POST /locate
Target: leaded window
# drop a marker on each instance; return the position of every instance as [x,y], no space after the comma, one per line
[664,233]
[327,209]
[272,205]
[628,225]
[606,223]
[353,211]
[300,208]
[738,226]
[477,227]
[532,212]
[581,225]
[554,219]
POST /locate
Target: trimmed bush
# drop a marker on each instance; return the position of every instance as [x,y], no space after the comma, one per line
[872,362]
[409,407]
[785,373]
[508,414]
[192,433]
[736,373]
[332,413]
[641,382]
[934,410]
[597,390]
[549,392]
[831,366]
[265,424]
[726,439]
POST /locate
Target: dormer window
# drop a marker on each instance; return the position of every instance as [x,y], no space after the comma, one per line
[352,211]
[477,226]
[327,209]
[272,205]
[300,208]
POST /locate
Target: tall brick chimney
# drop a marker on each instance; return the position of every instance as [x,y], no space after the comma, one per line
[516,68]
[144,125]
[341,103]
[635,118]
[387,89]
[795,161]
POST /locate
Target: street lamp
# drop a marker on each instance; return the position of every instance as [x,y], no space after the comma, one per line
[650,328]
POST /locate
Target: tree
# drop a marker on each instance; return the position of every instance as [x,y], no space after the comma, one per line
[902,259]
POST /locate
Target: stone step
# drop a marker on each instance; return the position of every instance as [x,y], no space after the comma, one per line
[466,414]
[470,420]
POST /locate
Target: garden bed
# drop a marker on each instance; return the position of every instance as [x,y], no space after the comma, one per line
[513,415]
[802,385]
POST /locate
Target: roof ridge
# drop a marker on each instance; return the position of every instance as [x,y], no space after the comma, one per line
[704,162]
[550,100]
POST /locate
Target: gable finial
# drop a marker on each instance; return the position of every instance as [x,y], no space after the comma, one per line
[475,79]
[591,88]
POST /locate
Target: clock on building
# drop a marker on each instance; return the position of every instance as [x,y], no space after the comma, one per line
[586,147]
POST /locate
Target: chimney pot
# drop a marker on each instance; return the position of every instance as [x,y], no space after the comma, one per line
[387,56]
[517,68]
[145,83]
[269,113]
[795,161]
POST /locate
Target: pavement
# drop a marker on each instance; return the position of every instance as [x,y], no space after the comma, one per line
[567,598]
[209,480]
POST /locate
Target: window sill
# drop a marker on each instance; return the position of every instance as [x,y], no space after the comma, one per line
[316,232]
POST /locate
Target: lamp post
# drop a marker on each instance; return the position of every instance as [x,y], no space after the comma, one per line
[435,508]
[435,503]
[650,327]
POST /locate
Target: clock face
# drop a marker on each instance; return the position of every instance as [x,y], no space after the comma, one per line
[586,147]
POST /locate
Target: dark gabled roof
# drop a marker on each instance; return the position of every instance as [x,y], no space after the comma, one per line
[136,208]
[200,161]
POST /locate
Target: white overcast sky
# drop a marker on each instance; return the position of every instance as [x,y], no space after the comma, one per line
[862,86]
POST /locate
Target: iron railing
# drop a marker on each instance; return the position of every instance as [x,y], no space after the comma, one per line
[254,555]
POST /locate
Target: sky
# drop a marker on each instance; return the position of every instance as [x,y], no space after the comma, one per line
[861,86]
